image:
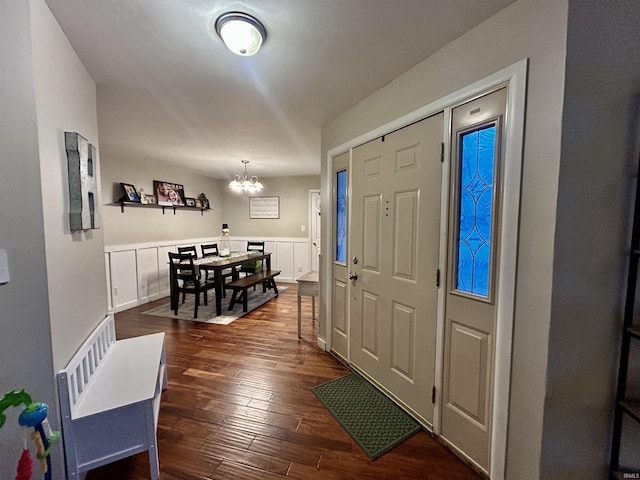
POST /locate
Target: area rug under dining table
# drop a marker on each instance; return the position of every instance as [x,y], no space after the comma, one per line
[207,313]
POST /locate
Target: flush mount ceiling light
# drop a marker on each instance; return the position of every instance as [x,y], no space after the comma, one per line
[244,183]
[241,33]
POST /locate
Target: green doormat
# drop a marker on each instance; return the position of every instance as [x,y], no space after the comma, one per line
[373,421]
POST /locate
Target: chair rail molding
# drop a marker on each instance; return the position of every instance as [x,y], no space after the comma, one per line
[139,273]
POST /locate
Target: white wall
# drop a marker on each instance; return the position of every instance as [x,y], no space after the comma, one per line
[139,273]
[25,340]
[66,101]
[534,29]
[598,176]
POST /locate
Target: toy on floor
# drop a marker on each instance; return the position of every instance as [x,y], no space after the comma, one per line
[34,414]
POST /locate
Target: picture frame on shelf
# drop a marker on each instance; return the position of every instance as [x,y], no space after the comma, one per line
[151,199]
[190,202]
[129,193]
[168,193]
[205,204]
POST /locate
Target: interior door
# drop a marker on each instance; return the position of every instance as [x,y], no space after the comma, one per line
[339,287]
[470,302]
[395,235]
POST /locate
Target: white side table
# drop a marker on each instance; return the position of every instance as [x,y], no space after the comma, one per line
[308,284]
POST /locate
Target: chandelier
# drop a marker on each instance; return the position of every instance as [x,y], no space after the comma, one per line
[245,183]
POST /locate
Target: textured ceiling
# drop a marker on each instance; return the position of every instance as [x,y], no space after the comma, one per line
[169,90]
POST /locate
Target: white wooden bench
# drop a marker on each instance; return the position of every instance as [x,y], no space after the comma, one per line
[110,399]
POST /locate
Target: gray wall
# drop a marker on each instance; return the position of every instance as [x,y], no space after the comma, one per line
[294,208]
[534,29]
[66,101]
[140,225]
[25,340]
[598,167]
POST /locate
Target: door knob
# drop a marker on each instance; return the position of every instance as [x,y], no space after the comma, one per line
[353,276]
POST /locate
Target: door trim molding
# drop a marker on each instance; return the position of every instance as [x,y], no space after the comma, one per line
[311,212]
[515,78]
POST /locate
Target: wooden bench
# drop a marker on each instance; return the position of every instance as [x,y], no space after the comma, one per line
[110,399]
[241,285]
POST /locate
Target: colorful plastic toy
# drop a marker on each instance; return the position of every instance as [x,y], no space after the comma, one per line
[33,415]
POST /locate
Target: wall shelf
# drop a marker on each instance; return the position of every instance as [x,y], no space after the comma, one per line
[122,205]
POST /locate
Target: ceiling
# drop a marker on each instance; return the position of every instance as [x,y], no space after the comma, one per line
[169,90]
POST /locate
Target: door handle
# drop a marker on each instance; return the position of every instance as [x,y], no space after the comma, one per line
[353,276]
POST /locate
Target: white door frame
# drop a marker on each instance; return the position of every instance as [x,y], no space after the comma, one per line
[515,78]
[312,211]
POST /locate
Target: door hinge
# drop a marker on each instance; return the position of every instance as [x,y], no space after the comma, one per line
[442,152]
[437,277]
[433,394]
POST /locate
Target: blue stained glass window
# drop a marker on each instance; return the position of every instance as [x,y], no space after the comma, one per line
[341,216]
[477,162]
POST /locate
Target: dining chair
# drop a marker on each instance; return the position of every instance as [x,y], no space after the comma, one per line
[252,266]
[186,279]
[189,250]
[211,250]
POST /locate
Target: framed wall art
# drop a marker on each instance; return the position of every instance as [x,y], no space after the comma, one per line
[264,207]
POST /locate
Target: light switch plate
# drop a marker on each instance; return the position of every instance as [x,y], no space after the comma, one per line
[4,267]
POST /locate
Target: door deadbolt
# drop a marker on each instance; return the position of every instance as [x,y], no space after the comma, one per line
[355,260]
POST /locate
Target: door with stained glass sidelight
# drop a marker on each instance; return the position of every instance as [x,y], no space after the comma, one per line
[339,286]
[470,302]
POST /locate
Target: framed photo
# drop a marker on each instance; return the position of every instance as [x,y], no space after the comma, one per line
[205,204]
[167,193]
[264,207]
[130,193]
[151,200]
[190,202]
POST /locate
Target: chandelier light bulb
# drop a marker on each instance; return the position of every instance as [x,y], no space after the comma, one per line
[245,183]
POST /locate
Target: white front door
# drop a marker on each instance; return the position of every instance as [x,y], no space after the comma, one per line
[395,235]
[473,252]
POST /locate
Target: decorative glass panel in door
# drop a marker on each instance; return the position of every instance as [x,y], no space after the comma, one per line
[341,216]
[475,210]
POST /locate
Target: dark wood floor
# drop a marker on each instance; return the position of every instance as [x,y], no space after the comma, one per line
[240,406]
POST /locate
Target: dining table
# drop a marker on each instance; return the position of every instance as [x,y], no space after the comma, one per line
[217,265]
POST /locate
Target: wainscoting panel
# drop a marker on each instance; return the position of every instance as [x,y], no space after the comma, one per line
[124,278]
[163,268]
[139,273]
[148,273]
[284,260]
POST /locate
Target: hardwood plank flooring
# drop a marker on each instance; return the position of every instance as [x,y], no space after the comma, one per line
[240,406]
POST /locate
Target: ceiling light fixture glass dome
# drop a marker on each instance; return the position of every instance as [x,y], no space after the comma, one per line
[241,33]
